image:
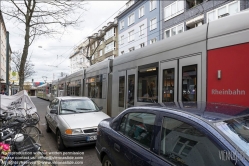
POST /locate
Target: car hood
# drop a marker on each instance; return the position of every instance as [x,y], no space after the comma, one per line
[84,120]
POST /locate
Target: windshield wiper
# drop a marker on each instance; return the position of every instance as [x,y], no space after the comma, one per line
[69,110]
[84,109]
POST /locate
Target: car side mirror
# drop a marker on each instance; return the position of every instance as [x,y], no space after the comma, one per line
[101,108]
[53,111]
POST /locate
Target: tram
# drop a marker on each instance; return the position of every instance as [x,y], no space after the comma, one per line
[44,91]
[207,63]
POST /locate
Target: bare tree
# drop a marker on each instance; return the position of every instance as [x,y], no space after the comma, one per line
[42,17]
[28,67]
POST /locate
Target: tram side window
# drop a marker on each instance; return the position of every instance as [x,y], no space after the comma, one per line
[148,83]
[168,85]
[95,87]
[189,83]
[121,91]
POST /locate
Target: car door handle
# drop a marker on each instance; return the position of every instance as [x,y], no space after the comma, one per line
[116,147]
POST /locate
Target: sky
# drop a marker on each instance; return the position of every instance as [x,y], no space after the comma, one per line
[47,53]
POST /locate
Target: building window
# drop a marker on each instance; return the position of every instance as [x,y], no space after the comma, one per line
[131,36]
[100,52]
[152,41]
[152,4]
[122,39]
[131,49]
[92,46]
[92,57]
[131,19]
[142,45]
[173,9]
[141,12]
[96,44]
[122,24]
[110,33]
[141,30]
[153,24]
[173,31]
[228,9]
[191,3]
[110,47]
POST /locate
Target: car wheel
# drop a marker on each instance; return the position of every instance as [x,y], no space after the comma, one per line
[59,141]
[106,161]
[48,130]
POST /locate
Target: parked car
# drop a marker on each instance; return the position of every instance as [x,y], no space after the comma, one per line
[195,133]
[74,120]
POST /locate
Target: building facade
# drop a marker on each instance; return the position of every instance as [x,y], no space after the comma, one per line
[3,50]
[104,44]
[138,25]
[182,15]
[79,60]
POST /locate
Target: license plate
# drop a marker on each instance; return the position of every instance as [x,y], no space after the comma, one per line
[91,138]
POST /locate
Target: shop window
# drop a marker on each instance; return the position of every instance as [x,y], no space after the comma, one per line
[95,86]
[148,83]
[121,91]
[168,85]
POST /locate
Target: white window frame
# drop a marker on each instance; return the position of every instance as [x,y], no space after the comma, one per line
[153,26]
[139,12]
[178,11]
[122,24]
[122,39]
[110,47]
[141,30]
[227,10]
[153,4]
[129,19]
[100,52]
[152,41]
[172,28]
[110,33]
[131,36]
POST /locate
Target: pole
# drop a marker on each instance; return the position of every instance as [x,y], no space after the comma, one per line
[7,62]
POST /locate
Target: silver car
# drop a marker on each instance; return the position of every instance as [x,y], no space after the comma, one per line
[74,120]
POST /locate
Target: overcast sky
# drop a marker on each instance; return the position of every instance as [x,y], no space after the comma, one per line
[46,50]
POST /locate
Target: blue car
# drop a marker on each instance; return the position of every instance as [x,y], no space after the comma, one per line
[196,133]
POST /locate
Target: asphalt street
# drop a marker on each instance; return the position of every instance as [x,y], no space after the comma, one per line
[68,156]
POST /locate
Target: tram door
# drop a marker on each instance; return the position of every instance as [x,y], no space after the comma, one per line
[181,79]
[126,89]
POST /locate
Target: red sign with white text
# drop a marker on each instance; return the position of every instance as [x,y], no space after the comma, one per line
[233,85]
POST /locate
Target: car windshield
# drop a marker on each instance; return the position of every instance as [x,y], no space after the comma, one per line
[237,130]
[77,106]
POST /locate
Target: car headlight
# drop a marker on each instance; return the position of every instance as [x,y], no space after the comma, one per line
[73,131]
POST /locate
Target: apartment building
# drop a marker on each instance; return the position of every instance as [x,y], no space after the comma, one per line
[104,44]
[138,25]
[78,60]
[182,15]
[3,47]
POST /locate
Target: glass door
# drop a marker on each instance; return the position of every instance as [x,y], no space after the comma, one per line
[130,94]
[121,90]
[190,86]
[169,72]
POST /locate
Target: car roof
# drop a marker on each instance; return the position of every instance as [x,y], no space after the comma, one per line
[210,112]
[71,97]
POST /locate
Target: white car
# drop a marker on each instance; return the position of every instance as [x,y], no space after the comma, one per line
[74,120]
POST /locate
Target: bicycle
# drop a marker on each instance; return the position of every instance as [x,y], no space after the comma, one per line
[22,143]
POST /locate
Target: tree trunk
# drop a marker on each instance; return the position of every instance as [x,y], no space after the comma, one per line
[24,57]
